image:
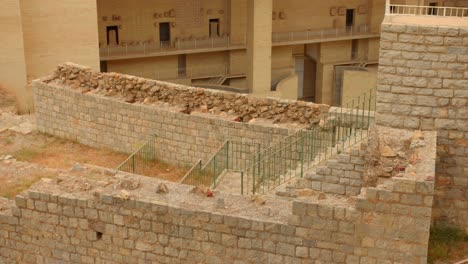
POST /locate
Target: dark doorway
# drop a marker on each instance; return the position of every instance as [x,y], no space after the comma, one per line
[349,19]
[432,10]
[182,65]
[354,49]
[165,33]
[103,66]
[112,35]
[214,28]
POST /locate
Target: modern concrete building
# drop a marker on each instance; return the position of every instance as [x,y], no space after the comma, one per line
[289,49]
[321,51]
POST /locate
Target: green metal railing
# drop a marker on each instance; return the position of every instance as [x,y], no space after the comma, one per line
[232,156]
[339,129]
[142,161]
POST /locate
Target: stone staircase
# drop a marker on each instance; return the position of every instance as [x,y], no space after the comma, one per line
[341,174]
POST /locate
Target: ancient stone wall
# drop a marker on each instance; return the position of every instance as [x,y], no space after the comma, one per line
[121,112]
[74,220]
[110,123]
[423,84]
[133,89]
[343,175]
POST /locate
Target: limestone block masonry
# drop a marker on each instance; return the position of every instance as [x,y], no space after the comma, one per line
[66,108]
[84,221]
[423,84]
[343,175]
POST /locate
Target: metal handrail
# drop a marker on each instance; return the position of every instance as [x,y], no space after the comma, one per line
[130,164]
[295,154]
[278,37]
[187,73]
[153,48]
[197,165]
[230,156]
[150,48]
[417,10]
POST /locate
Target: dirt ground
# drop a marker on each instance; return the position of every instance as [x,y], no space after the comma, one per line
[54,153]
[26,158]
[7,101]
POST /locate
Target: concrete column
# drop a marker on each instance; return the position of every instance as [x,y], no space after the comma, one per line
[12,59]
[259,28]
[238,21]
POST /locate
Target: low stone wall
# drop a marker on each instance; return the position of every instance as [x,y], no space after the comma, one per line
[107,122]
[423,84]
[125,220]
[389,224]
[190,123]
[343,175]
[133,89]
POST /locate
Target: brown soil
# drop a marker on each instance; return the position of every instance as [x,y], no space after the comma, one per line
[48,156]
[455,253]
[6,99]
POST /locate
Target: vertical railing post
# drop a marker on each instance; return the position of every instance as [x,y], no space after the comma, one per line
[227,155]
[387,7]
[242,182]
[214,171]
[302,155]
[133,164]
[254,169]
[199,171]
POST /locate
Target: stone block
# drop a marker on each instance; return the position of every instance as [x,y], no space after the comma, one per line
[448,31]
[299,209]
[333,188]
[325,211]
[285,249]
[302,252]
[411,199]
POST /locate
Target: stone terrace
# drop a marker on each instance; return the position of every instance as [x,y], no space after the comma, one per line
[125,219]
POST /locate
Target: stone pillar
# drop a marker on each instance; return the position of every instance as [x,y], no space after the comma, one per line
[259,28]
[423,84]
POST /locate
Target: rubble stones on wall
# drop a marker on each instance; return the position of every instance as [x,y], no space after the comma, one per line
[133,89]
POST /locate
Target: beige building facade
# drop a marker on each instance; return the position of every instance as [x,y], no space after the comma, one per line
[297,49]
[39,34]
[285,49]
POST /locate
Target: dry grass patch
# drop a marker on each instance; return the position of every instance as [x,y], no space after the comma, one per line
[12,189]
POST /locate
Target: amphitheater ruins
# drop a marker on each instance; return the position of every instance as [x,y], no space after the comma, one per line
[268,180]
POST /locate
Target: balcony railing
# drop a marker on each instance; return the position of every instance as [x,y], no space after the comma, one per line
[321,34]
[148,48]
[196,72]
[427,10]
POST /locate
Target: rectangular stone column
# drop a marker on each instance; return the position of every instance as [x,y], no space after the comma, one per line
[259,28]
[423,84]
